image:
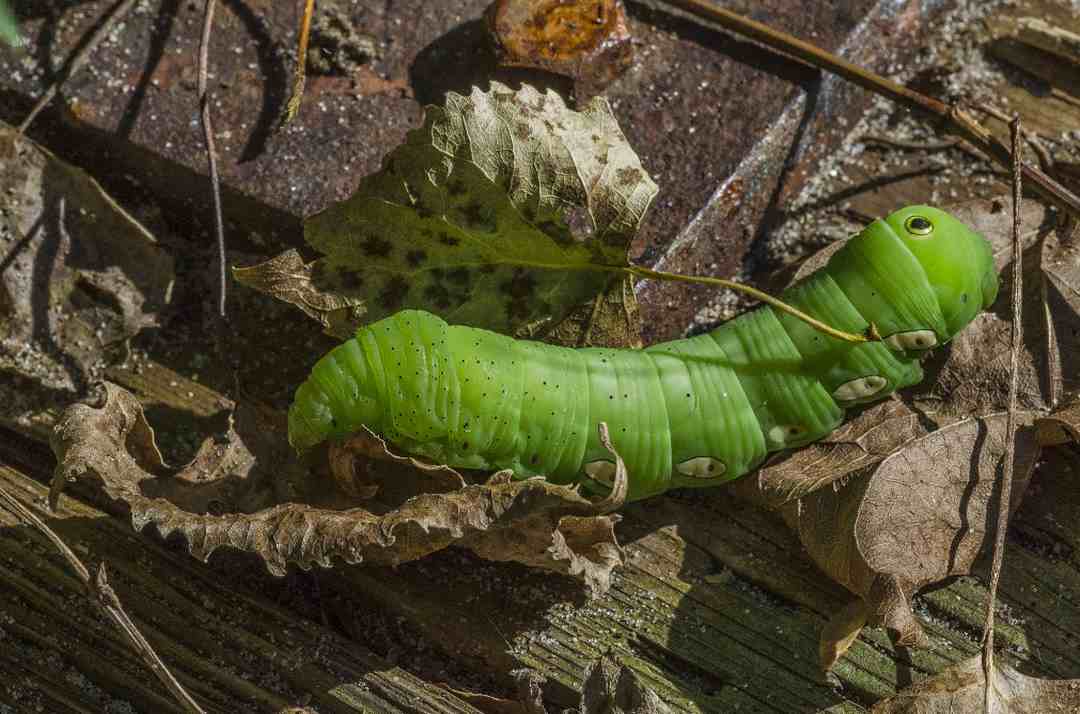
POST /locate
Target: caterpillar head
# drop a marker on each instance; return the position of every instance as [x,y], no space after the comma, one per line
[958,263]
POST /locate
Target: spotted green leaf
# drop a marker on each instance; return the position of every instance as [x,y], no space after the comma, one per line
[493,213]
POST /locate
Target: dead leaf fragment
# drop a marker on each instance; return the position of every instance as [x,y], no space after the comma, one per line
[352,461]
[532,521]
[1062,426]
[77,274]
[960,688]
[287,277]
[490,215]
[860,443]
[922,515]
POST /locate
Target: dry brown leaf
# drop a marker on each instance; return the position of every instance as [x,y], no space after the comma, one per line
[861,442]
[613,688]
[358,465]
[1062,426]
[289,278]
[542,524]
[77,275]
[921,516]
[959,690]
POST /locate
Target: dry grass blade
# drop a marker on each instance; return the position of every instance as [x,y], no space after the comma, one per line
[954,117]
[102,594]
[77,62]
[211,150]
[1007,466]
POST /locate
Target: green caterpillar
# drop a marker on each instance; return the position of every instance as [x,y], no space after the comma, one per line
[691,412]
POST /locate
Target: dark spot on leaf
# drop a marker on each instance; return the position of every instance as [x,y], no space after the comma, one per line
[628,175]
[520,288]
[479,217]
[438,296]
[415,257]
[393,294]
[449,240]
[377,247]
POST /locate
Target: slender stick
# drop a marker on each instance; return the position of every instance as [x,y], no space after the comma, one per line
[102,594]
[1010,430]
[300,72]
[211,150]
[764,297]
[959,120]
[643,272]
[78,61]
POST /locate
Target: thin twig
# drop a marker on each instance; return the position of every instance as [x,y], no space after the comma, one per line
[1010,429]
[959,121]
[913,145]
[211,150]
[1045,160]
[764,297]
[643,272]
[76,63]
[103,596]
[300,72]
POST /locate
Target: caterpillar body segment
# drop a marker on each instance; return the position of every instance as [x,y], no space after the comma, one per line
[691,412]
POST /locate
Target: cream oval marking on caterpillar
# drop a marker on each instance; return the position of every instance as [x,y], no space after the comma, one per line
[759,383]
[702,467]
[783,434]
[912,340]
[860,388]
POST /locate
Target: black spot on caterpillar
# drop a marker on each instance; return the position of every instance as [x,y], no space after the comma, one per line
[691,412]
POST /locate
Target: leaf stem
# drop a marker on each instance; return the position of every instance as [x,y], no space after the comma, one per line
[764,297]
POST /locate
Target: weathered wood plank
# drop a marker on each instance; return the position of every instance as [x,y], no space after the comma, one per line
[231,648]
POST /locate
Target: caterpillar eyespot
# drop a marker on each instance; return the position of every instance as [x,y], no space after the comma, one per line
[691,412]
[919,226]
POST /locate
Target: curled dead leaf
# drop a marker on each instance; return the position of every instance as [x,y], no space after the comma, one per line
[288,278]
[1062,426]
[960,688]
[79,275]
[860,443]
[109,445]
[922,515]
[351,464]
